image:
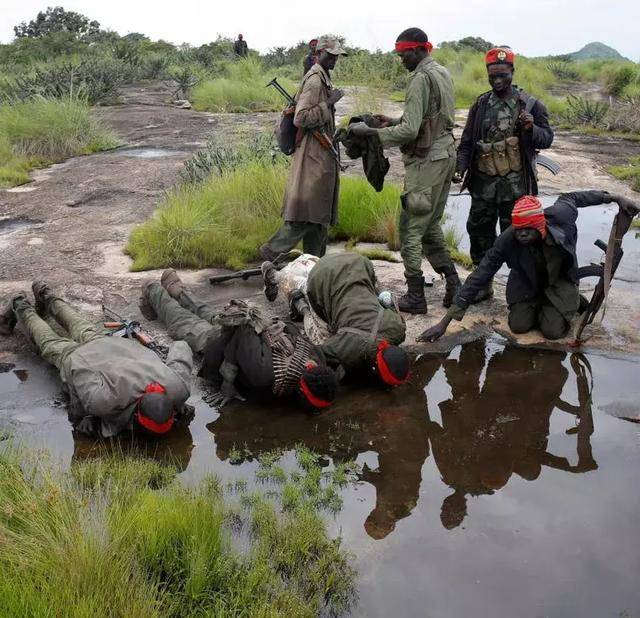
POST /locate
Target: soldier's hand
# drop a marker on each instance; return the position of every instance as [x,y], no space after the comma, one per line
[435,332]
[385,121]
[526,120]
[360,129]
[334,96]
[457,177]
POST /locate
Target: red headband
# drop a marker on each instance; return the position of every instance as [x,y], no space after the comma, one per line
[148,423]
[383,369]
[316,402]
[151,425]
[407,45]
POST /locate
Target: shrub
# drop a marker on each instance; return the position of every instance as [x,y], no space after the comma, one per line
[563,70]
[44,131]
[619,79]
[585,111]
[95,80]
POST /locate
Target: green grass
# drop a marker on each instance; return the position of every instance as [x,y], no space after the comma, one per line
[121,537]
[453,237]
[44,131]
[242,89]
[223,220]
[629,172]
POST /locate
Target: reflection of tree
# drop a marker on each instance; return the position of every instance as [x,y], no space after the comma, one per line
[391,424]
[174,448]
[489,433]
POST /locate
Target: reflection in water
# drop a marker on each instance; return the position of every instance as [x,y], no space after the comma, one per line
[175,448]
[489,430]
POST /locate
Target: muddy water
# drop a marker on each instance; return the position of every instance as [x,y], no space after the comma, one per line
[501,482]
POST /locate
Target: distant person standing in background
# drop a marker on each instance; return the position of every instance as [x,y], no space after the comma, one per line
[240,47]
[311,57]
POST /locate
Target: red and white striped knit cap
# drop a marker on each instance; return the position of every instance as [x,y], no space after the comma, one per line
[528,212]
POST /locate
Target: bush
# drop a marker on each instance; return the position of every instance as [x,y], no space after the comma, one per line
[563,70]
[583,111]
[96,80]
[619,79]
[41,132]
[106,540]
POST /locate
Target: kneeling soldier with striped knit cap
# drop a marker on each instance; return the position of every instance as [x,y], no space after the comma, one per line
[540,249]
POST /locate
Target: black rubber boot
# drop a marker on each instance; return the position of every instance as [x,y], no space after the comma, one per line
[453,285]
[270,281]
[414,300]
[146,308]
[43,295]
[7,318]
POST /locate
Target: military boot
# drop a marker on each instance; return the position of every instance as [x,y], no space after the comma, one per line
[146,308]
[270,280]
[452,283]
[171,282]
[7,318]
[43,295]
[414,300]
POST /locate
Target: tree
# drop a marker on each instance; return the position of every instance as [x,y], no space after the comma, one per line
[476,43]
[56,19]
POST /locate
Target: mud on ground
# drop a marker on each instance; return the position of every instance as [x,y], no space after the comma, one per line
[70,224]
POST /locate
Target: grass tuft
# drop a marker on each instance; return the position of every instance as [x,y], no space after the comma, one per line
[630,172]
[43,131]
[109,539]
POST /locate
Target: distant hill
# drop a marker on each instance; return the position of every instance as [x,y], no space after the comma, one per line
[596,51]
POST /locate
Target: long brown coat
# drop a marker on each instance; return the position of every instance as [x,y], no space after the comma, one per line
[312,189]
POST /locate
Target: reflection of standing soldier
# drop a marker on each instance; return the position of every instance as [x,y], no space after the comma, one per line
[497,153]
[488,434]
[394,427]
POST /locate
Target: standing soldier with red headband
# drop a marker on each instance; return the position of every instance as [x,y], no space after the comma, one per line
[497,154]
[114,383]
[425,136]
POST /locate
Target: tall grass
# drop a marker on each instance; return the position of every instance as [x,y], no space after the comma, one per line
[223,220]
[241,89]
[44,131]
[120,537]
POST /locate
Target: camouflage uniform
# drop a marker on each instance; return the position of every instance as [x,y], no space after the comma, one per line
[492,197]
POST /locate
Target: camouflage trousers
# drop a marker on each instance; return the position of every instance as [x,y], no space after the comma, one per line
[427,186]
[187,318]
[481,225]
[55,348]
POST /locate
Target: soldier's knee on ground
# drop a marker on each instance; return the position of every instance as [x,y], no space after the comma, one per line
[553,326]
[522,320]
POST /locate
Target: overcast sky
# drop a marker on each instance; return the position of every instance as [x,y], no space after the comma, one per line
[531,28]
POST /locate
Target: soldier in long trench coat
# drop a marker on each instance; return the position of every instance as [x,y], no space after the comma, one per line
[311,196]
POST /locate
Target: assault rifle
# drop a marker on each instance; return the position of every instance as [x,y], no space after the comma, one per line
[605,271]
[279,263]
[320,135]
[121,327]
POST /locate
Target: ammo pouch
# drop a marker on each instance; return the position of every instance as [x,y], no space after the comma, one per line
[420,146]
[499,158]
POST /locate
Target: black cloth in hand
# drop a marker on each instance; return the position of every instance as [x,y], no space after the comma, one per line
[374,163]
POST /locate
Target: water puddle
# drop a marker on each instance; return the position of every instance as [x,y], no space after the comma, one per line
[500,479]
[9,225]
[148,153]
